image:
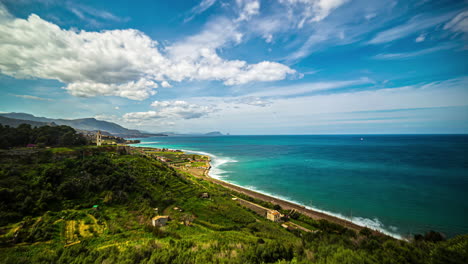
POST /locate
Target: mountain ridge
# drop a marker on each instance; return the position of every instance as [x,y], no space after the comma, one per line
[88,124]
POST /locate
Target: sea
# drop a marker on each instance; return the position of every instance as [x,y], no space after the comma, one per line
[399,184]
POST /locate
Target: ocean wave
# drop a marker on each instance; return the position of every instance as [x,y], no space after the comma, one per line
[215,163]
[374,224]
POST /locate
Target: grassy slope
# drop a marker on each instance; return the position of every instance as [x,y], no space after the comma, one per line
[63,229]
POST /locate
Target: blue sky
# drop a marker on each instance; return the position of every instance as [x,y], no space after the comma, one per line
[242,66]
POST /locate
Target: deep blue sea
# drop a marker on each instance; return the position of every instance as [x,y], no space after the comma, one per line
[401,184]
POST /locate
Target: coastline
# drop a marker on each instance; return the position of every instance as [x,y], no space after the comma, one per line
[285,204]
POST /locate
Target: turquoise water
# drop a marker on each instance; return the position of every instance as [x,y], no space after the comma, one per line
[399,184]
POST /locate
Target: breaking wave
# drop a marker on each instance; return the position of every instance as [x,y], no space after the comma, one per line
[215,163]
[374,224]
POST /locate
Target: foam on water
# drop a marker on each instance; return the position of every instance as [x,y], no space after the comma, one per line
[215,163]
[147,143]
[374,224]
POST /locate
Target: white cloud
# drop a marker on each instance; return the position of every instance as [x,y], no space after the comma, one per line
[263,71]
[404,55]
[90,14]
[125,63]
[420,38]
[306,88]
[248,8]
[413,26]
[138,90]
[165,84]
[458,23]
[200,8]
[171,110]
[250,100]
[217,33]
[32,97]
[312,10]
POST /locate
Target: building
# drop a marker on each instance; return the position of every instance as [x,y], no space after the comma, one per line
[98,138]
[160,220]
[273,215]
[205,195]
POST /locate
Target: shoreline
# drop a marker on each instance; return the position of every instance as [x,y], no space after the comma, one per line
[285,204]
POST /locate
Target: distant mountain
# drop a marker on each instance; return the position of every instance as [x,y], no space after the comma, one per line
[88,124]
[210,134]
[215,133]
[16,122]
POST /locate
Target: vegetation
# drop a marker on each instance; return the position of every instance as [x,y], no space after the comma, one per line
[47,215]
[24,134]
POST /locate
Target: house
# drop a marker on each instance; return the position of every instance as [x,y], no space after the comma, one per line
[160,220]
[205,195]
[273,215]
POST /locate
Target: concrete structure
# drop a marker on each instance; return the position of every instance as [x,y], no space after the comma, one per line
[98,138]
[254,207]
[160,220]
[273,215]
[270,214]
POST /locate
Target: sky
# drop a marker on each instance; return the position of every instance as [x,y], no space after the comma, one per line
[241,66]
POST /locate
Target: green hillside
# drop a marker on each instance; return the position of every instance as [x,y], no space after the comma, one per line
[47,216]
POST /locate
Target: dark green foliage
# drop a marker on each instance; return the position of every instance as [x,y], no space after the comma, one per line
[268,253]
[431,236]
[32,189]
[24,134]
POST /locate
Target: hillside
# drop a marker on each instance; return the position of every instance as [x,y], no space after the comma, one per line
[47,216]
[89,124]
[16,122]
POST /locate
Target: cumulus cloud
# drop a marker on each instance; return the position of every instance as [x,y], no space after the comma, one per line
[125,63]
[138,90]
[171,110]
